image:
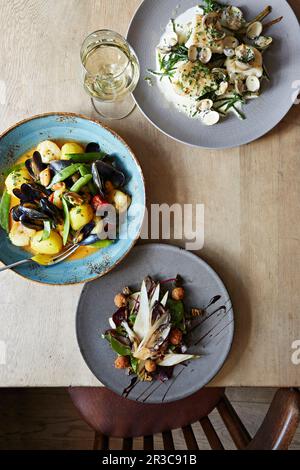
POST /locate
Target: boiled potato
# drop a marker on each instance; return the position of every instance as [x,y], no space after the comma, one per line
[80,216]
[52,246]
[49,151]
[20,235]
[16,178]
[120,200]
[70,147]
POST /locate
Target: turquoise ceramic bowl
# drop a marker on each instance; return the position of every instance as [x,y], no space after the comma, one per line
[64,126]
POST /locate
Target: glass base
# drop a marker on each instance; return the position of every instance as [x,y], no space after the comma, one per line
[115,109]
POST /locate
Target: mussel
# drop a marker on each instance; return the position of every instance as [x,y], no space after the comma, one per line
[50,210]
[92,147]
[32,224]
[58,165]
[30,193]
[29,216]
[35,165]
[103,172]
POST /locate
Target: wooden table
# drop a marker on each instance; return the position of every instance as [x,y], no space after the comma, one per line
[251,197]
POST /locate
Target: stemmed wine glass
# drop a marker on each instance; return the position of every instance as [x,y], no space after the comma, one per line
[111,73]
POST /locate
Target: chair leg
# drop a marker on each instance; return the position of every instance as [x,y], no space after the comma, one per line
[101,442]
[237,430]
[189,437]
[148,443]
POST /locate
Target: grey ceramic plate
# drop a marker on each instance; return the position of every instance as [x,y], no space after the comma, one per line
[211,338]
[282,61]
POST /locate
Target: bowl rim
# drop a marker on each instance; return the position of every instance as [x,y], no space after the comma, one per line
[117,136]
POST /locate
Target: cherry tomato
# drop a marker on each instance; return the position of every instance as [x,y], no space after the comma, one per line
[97,202]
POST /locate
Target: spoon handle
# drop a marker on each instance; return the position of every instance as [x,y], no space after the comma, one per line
[13,265]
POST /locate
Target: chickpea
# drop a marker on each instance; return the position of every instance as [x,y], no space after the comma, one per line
[178,293]
[120,300]
[150,365]
[175,336]
[122,362]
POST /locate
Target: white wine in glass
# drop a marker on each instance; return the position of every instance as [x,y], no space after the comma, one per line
[111,73]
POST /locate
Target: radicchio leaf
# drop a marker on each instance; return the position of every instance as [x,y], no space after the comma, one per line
[120,315]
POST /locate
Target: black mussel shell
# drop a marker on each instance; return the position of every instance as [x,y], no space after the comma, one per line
[29,193]
[92,147]
[59,165]
[32,214]
[86,230]
[51,210]
[16,213]
[103,172]
[35,165]
[32,224]
[90,240]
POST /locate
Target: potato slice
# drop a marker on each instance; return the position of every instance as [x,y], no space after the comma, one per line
[80,216]
[16,178]
[52,246]
[70,147]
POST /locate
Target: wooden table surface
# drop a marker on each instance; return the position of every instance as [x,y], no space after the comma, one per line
[251,197]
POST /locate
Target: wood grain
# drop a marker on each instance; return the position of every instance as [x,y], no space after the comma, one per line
[252,211]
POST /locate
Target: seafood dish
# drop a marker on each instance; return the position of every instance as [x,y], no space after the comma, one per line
[54,195]
[149,329]
[210,60]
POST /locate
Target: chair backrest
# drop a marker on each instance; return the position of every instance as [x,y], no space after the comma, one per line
[112,416]
[115,416]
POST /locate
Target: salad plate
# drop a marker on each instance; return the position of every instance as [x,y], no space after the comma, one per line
[179,70]
[187,348]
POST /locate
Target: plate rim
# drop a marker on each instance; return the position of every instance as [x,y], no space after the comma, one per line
[184,142]
[227,350]
[117,136]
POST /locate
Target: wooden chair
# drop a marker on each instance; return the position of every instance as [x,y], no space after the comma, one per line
[112,416]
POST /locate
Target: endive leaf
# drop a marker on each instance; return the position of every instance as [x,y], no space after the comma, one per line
[155,296]
[173,359]
[164,299]
[142,322]
[132,336]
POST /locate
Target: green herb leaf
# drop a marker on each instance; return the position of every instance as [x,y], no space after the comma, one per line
[118,347]
[134,364]
[176,309]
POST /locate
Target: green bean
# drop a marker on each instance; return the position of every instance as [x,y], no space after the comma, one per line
[85,157]
[66,229]
[83,181]
[64,174]
[4,211]
[46,231]
[102,244]
[86,170]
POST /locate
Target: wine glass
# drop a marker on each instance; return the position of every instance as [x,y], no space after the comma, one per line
[111,73]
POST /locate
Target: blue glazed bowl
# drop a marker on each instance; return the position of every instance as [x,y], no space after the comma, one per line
[66,126]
